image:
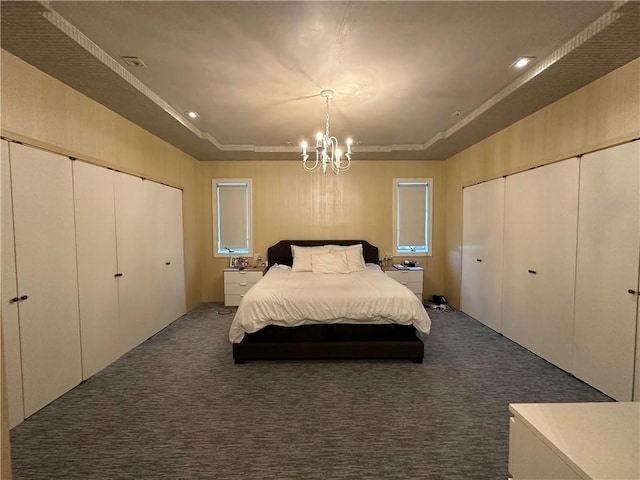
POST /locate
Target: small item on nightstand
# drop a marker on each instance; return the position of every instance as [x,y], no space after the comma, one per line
[242,262]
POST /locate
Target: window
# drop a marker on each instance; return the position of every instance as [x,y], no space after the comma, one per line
[231,200]
[412,207]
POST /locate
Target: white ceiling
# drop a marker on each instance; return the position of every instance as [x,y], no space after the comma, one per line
[254,70]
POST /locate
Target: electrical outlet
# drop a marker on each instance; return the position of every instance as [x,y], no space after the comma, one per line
[388,256]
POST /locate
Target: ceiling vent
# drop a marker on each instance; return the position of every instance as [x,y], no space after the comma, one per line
[134,62]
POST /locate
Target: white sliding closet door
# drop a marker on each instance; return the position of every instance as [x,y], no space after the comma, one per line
[636,382]
[482,236]
[10,322]
[42,190]
[167,264]
[134,253]
[607,268]
[97,266]
[541,213]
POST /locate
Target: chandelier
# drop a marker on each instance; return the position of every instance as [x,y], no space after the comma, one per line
[328,154]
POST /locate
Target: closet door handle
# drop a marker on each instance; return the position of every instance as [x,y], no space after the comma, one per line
[24,297]
[118,274]
[14,300]
[632,292]
[533,272]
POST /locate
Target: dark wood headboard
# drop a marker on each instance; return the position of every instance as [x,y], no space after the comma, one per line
[281,251]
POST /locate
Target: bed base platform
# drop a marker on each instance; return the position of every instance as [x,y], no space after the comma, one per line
[331,342]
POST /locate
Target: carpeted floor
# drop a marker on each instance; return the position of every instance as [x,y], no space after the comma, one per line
[177,407]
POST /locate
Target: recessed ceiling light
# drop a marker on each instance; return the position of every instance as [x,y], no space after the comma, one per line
[522,62]
[192,114]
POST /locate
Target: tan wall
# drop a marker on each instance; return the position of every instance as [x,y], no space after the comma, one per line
[603,113]
[43,112]
[290,203]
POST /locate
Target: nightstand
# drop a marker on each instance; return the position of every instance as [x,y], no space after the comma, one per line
[411,278]
[238,282]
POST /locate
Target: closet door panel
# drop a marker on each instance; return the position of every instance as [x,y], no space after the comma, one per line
[46,265]
[557,261]
[607,268]
[97,266]
[483,231]
[519,295]
[175,254]
[539,264]
[636,382]
[10,322]
[133,253]
[168,298]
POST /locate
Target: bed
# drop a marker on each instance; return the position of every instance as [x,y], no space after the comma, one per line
[300,314]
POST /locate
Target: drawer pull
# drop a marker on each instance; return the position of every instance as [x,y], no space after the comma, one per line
[533,272]
[14,300]
[632,292]
[118,275]
[243,284]
[478,259]
[403,283]
[167,263]
[24,297]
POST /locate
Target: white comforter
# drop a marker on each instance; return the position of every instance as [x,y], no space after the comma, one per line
[285,298]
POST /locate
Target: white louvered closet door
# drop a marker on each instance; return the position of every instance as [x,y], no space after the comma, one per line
[607,270]
[42,190]
[482,237]
[541,215]
[167,262]
[10,322]
[97,265]
[133,242]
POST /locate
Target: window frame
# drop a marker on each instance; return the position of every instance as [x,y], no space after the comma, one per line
[215,216]
[428,182]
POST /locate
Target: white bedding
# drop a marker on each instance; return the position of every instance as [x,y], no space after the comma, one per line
[287,298]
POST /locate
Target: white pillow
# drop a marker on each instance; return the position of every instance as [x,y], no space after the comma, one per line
[302,257]
[354,255]
[329,262]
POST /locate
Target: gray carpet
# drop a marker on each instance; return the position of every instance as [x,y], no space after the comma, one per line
[178,408]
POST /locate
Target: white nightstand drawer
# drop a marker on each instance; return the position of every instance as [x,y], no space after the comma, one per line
[415,287]
[238,282]
[242,276]
[237,288]
[406,276]
[232,300]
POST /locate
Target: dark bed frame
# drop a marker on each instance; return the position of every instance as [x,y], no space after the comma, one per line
[328,341]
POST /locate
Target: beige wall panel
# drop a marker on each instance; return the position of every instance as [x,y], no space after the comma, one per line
[290,203]
[603,113]
[43,112]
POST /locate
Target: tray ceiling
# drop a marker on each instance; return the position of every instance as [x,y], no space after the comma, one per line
[254,70]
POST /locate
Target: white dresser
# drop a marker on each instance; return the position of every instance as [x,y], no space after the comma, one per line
[410,278]
[238,282]
[574,441]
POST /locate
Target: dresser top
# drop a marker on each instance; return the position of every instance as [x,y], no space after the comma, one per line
[599,440]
